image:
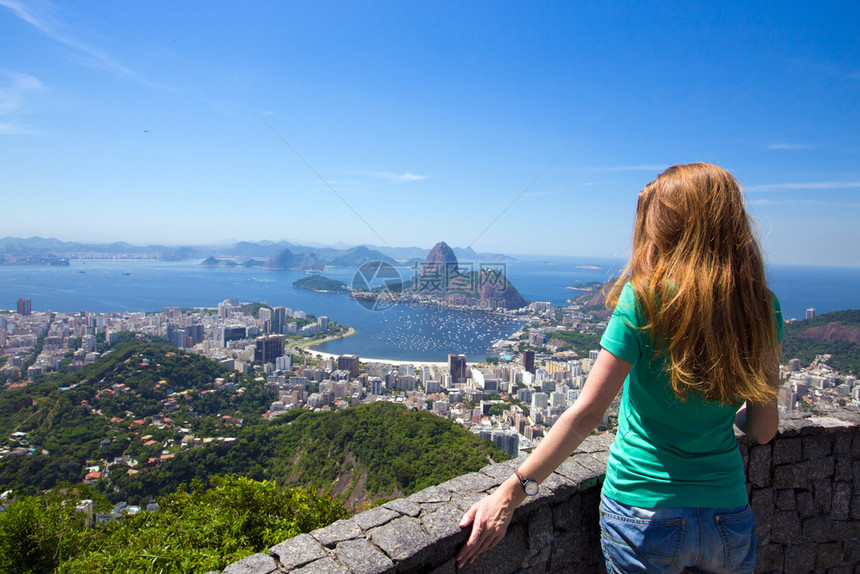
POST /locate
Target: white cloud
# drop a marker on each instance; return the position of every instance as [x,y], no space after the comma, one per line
[789,146]
[396,177]
[84,54]
[806,185]
[12,95]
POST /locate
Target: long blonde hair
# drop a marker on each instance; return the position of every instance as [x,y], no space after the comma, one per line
[697,271]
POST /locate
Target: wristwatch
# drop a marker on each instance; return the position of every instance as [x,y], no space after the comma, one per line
[529,486]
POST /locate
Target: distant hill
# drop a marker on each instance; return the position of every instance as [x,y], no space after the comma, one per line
[215,262]
[49,251]
[322,284]
[286,259]
[836,334]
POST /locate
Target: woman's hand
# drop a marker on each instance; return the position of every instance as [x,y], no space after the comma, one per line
[489,518]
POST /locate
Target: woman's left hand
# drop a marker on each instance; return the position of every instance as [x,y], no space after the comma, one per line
[489,518]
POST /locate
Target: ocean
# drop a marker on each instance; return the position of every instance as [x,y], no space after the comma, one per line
[401,332]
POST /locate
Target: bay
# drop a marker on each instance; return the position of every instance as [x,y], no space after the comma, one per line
[402,332]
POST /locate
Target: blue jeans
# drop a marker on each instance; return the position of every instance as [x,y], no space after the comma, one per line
[670,540]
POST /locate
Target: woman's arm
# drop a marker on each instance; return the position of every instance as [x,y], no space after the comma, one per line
[760,421]
[490,516]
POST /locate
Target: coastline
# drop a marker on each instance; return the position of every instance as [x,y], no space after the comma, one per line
[306,347]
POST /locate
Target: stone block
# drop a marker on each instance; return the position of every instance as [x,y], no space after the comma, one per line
[787,450]
[255,564]
[362,557]
[430,494]
[560,486]
[579,474]
[805,504]
[505,558]
[443,526]
[592,462]
[828,555]
[762,505]
[842,443]
[566,515]
[463,502]
[403,506]
[817,446]
[759,465]
[855,507]
[822,496]
[298,551]
[855,444]
[799,559]
[840,507]
[449,567]
[800,475]
[570,550]
[473,482]
[336,532]
[855,475]
[785,527]
[403,540]
[596,443]
[323,566]
[374,517]
[503,470]
[771,558]
[842,471]
[852,551]
[818,529]
[785,499]
[540,529]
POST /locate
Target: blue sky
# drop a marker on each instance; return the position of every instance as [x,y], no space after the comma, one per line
[511,127]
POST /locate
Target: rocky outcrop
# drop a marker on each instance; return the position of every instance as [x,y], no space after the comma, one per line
[441,259]
[442,278]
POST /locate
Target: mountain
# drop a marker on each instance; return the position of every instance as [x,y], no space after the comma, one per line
[441,259]
[355,257]
[285,259]
[487,288]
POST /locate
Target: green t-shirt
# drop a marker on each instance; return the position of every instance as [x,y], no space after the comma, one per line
[668,453]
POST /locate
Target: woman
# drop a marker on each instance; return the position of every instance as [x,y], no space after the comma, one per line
[694,339]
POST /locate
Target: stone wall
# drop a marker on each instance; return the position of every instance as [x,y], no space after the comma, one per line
[804,487]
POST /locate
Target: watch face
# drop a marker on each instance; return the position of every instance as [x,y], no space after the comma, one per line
[531,488]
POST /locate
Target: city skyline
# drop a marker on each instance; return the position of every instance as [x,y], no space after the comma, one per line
[507,128]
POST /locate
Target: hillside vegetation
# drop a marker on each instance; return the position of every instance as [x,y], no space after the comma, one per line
[836,334]
[151,419]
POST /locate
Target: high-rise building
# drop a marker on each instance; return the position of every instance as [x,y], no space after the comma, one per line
[279,318]
[810,313]
[457,367]
[269,348]
[349,363]
[323,321]
[195,334]
[529,361]
[25,306]
[232,333]
[266,320]
[507,440]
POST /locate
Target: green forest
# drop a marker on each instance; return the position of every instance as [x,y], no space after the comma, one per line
[836,334]
[195,529]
